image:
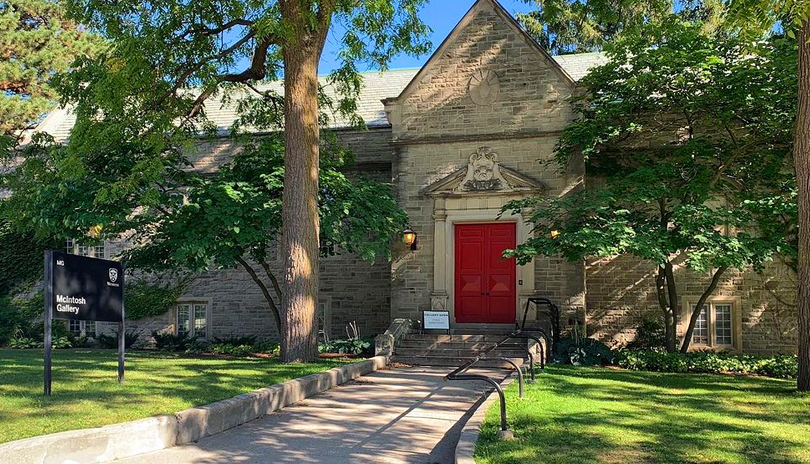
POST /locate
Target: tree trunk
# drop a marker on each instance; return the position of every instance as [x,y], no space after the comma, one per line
[661,289]
[687,336]
[674,309]
[801,158]
[300,226]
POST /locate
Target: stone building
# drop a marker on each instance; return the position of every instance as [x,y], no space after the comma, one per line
[459,138]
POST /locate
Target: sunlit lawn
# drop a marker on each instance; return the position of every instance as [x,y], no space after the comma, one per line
[598,415]
[86,392]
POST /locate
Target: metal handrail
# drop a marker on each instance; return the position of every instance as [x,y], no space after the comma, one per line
[458,373]
[553,317]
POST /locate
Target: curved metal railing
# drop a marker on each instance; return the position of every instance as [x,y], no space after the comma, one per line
[520,332]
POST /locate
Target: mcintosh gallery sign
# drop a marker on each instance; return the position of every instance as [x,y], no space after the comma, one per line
[85,289]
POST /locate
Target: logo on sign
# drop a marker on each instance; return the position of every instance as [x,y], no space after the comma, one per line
[113,274]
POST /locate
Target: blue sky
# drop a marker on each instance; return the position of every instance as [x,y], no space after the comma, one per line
[440,15]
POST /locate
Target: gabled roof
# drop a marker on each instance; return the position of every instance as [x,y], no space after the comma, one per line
[465,21]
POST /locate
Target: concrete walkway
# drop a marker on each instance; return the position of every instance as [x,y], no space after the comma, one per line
[404,415]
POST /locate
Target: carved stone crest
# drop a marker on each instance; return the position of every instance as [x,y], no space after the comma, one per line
[484,87]
[483,172]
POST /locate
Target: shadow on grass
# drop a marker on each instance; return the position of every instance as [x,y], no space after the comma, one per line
[86,392]
[594,415]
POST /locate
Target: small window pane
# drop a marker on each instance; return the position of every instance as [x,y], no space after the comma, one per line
[183,319]
[75,327]
[83,250]
[722,324]
[701,334]
[200,324]
[70,246]
[98,251]
[90,328]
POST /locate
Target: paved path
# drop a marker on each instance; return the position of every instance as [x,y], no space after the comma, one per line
[406,415]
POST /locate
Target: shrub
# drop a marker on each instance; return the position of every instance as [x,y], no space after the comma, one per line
[650,334]
[111,341]
[20,341]
[249,340]
[358,346]
[230,349]
[709,362]
[61,342]
[81,342]
[171,342]
[785,366]
[267,347]
[583,352]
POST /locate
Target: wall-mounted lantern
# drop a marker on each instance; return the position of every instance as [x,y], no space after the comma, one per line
[409,237]
[95,231]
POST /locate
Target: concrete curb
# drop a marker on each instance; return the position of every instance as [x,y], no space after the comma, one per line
[129,439]
[465,448]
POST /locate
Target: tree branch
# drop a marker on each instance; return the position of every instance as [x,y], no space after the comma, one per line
[672,290]
[687,336]
[273,280]
[265,292]
[197,29]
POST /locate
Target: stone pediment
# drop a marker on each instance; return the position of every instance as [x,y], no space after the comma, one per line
[484,175]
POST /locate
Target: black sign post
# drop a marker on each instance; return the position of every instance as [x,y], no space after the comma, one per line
[86,289]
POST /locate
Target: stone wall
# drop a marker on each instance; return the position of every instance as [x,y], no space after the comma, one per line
[487,86]
[523,91]
[621,292]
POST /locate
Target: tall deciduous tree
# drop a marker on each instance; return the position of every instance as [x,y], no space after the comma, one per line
[576,26]
[37,40]
[764,17]
[168,60]
[686,140]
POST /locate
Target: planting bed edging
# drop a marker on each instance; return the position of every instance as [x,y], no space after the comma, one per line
[118,441]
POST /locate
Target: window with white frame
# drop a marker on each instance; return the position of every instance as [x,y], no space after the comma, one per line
[75,248]
[715,326]
[82,328]
[192,319]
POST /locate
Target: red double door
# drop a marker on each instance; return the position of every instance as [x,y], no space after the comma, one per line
[485,281]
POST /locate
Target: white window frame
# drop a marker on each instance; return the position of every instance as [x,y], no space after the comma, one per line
[73,247]
[192,314]
[83,328]
[712,303]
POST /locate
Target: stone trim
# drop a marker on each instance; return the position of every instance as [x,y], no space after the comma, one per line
[127,439]
[451,211]
[475,137]
[688,303]
[503,180]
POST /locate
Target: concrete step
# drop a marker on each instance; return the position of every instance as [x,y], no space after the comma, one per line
[453,362]
[454,338]
[443,352]
[478,346]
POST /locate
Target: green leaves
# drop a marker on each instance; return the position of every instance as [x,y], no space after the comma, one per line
[237,212]
[687,143]
[37,40]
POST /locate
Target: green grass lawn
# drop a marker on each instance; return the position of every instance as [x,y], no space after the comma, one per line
[86,392]
[599,415]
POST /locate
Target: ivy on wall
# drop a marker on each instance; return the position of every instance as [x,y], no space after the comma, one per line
[21,257]
[147,299]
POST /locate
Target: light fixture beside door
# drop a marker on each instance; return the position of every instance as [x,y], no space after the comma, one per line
[410,238]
